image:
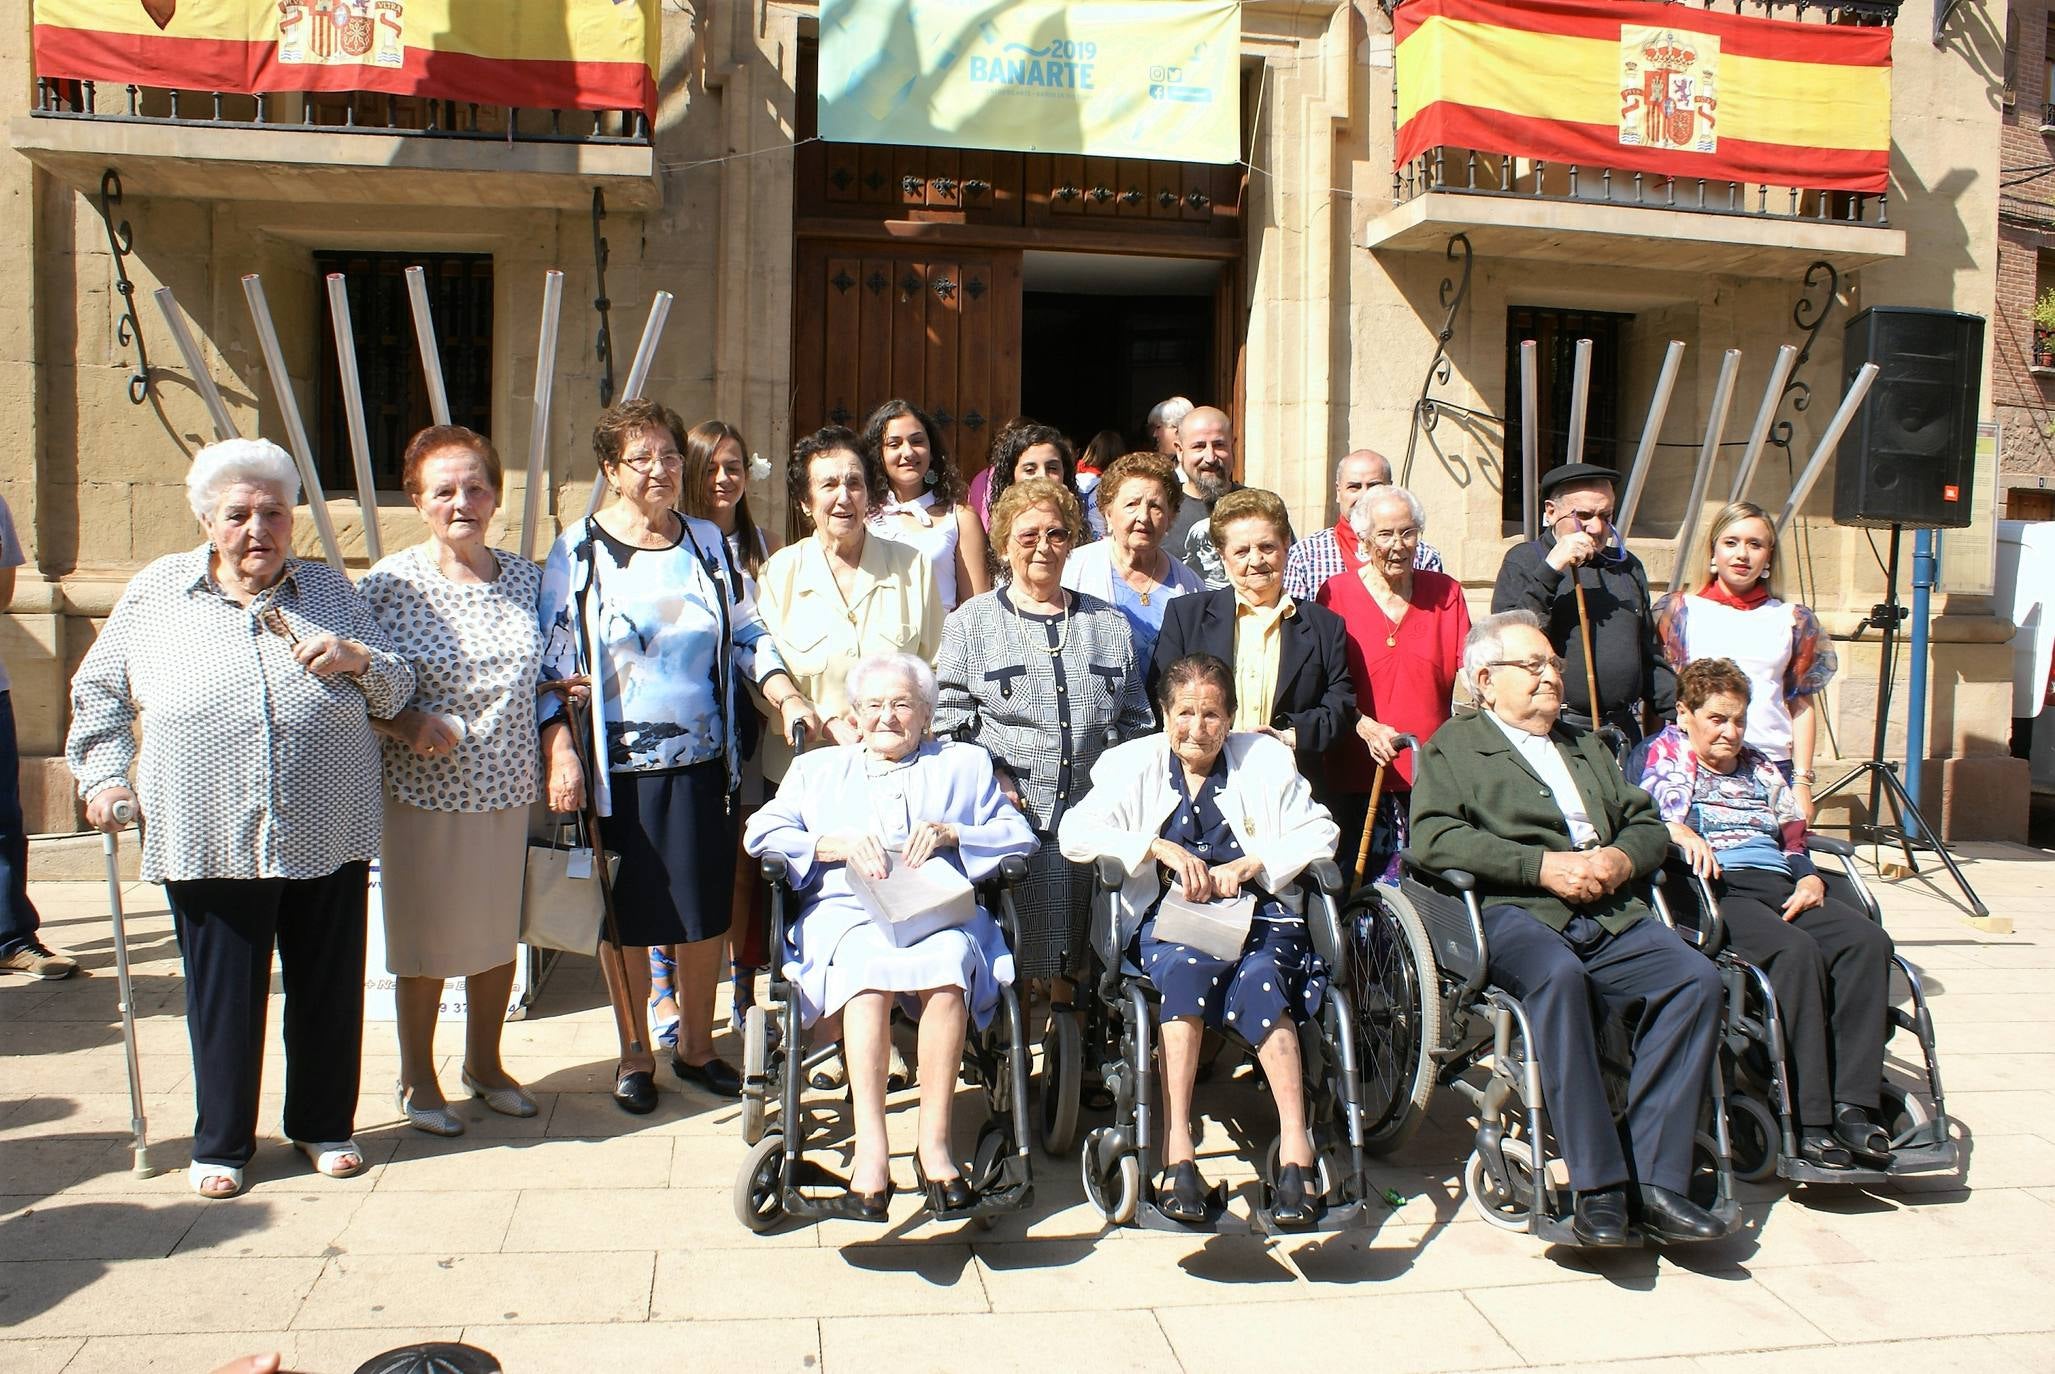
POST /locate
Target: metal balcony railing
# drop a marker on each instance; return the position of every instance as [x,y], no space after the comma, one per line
[347,112]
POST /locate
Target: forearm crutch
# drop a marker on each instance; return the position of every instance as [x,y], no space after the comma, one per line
[124,814]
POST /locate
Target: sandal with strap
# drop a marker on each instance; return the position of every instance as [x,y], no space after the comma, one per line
[200,1175]
[327,1157]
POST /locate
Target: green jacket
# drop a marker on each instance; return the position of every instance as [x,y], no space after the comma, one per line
[1477,805]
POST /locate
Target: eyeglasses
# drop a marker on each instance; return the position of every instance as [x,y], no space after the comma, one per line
[1536,666]
[1385,539]
[897,706]
[1056,537]
[649,462]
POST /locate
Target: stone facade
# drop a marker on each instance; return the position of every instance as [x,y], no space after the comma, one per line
[1341,309]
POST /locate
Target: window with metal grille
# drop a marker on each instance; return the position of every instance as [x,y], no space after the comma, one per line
[389,363]
[1555,332]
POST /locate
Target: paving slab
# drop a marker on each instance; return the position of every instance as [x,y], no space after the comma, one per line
[426,1289]
[1003,1342]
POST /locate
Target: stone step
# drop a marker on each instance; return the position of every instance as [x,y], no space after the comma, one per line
[80,858]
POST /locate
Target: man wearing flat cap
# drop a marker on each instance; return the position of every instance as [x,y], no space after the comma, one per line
[1578,544]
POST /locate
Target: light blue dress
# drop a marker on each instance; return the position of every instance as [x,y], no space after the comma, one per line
[834,951]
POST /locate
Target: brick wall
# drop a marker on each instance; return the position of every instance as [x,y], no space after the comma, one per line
[2024,399]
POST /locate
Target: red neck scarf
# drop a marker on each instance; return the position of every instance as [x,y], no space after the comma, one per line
[1345,540]
[1716,591]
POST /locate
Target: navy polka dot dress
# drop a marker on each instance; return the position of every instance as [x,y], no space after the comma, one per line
[1277,977]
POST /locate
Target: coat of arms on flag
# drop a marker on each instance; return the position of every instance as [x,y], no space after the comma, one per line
[1669,89]
[342,33]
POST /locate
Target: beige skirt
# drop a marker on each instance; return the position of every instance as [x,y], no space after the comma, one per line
[452,889]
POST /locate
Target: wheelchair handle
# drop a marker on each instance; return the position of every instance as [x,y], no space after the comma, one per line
[1013,868]
[1828,844]
[1326,875]
[775,869]
[1112,872]
[797,737]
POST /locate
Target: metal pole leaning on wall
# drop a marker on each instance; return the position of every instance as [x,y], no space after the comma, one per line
[538,425]
[1530,440]
[424,336]
[1814,466]
[203,380]
[295,427]
[1772,397]
[1580,402]
[638,373]
[1658,407]
[1708,457]
[353,411]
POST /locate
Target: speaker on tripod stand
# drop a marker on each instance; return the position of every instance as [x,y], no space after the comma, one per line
[1908,460]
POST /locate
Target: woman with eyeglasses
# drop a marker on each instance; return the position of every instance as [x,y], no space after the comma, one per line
[1405,650]
[1038,677]
[637,598]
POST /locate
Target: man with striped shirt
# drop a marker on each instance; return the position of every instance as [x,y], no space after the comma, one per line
[1325,552]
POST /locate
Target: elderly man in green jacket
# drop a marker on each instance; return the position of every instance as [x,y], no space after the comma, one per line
[1555,837]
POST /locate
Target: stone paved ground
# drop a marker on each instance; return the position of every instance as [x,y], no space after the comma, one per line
[586,1239]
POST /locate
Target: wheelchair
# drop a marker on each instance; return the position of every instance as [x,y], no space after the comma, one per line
[776,1174]
[1429,1017]
[1760,1123]
[1120,1160]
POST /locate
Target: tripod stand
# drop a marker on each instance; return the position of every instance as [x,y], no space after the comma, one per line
[1887,615]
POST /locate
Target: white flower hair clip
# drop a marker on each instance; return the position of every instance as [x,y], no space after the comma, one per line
[759,468]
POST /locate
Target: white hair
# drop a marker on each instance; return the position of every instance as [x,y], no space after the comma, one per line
[1359,515]
[1487,641]
[221,465]
[906,667]
[1170,412]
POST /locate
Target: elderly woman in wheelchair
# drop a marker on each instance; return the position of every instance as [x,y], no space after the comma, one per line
[849,832]
[1734,819]
[1197,817]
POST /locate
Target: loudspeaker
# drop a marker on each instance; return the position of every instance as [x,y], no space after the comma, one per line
[1909,457]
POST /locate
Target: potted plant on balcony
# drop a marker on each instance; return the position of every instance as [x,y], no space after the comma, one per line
[2044,331]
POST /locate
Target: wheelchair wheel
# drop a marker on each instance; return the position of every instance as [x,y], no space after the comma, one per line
[1703,1186]
[756,1053]
[1753,1138]
[1512,1208]
[1115,1189]
[1902,1112]
[1061,1084]
[759,1186]
[1398,1016]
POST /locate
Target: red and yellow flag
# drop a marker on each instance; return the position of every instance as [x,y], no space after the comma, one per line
[1669,89]
[538,54]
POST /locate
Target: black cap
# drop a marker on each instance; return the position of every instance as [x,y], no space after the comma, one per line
[434,1357]
[1576,472]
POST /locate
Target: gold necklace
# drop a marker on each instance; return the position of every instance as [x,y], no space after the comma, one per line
[1143,592]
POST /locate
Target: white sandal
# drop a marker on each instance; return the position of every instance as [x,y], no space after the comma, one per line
[327,1157]
[200,1175]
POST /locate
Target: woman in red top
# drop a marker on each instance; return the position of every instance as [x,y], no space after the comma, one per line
[1405,649]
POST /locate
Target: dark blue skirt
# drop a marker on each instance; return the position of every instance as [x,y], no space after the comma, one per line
[1277,977]
[675,834]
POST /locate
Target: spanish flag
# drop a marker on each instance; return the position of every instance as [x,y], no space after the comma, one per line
[1671,89]
[536,54]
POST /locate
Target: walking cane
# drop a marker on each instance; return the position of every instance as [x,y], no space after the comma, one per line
[1369,825]
[1584,635]
[125,814]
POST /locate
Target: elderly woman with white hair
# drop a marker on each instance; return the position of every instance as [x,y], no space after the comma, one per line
[1405,651]
[893,793]
[254,677]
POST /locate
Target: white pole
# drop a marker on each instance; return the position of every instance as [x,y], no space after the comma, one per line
[1772,397]
[1857,390]
[1530,440]
[1708,457]
[217,409]
[638,375]
[295,427]
[424,335]
[1580,400]
[538,425]
[1658,407]
[353,411]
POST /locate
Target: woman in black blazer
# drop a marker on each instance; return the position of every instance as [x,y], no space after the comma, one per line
[1289,658]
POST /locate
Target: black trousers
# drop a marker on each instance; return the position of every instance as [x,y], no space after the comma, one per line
[227,929]
[1568,982]
[1831,971]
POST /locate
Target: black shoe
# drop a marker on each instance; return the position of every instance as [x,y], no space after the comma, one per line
[1292,1204]
[868,1206]
[636,1092]
[1670,1216]
[716,1076]
[1185,1199]
[1865,1139]
[1600,1218]
[1818,1147]
[944,1195]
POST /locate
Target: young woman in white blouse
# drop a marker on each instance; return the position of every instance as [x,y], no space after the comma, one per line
[461,770]
[924,503]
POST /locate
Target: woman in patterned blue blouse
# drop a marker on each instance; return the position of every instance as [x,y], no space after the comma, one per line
[642,600]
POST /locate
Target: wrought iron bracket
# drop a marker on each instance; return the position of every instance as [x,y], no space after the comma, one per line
[121,244]
[1810,316]
[1941,13]
[603,346]
[1427,411]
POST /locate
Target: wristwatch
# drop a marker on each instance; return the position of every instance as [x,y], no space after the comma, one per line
[1804,775]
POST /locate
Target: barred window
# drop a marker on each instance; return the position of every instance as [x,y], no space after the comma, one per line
[1556,333]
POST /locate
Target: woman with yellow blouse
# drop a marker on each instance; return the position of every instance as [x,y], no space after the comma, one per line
[842,594]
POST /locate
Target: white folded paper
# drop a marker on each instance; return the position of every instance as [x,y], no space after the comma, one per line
[910,904]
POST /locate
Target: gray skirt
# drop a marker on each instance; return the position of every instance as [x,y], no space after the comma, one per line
[1054,906]
[451,889]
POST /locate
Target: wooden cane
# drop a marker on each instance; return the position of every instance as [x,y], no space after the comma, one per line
[1369,824]
[1584,635]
